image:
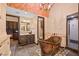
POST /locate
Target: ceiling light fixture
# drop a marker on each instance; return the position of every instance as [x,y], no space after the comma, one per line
[46,6]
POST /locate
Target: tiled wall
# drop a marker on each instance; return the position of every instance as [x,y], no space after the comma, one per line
[4,38]
[2,19]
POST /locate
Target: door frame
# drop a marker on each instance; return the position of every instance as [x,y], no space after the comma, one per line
[18,24]
[38,27]
[74,15]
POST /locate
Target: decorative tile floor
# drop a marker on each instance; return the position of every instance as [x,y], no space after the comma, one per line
[28,50]
[62,52]
[34,50]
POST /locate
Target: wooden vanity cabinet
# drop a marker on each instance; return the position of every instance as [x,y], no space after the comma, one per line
[27,39]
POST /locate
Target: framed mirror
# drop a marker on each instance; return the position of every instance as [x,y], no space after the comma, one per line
[40,27]
[25,27]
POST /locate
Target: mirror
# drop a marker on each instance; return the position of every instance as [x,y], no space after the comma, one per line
[25,27]
[40,28]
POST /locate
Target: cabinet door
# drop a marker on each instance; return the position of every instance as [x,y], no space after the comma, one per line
[32,39]
[22,40]
[28,38]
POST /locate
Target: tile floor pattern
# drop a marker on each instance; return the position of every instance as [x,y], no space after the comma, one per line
[34,50]
[28,50]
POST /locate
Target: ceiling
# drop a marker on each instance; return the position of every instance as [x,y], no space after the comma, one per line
[36,8]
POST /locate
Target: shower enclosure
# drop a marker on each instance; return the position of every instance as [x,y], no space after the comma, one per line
[72,31]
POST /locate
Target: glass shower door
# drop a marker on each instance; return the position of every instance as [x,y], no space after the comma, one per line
[73,33]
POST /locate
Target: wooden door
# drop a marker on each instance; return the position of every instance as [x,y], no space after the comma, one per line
[12,27]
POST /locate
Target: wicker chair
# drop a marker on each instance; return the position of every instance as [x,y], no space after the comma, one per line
[50,46]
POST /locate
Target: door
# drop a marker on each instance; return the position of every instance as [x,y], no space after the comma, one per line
[15,30]
[12,27]
[72,32]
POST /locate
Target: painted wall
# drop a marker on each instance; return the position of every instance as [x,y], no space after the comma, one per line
[18,12]
[56,22]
